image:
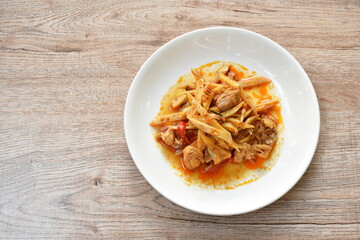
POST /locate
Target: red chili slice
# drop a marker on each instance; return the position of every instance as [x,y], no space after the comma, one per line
[182,132]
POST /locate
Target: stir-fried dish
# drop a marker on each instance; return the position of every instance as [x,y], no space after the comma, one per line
[219,114]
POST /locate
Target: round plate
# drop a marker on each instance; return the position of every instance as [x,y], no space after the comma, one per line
[300,111]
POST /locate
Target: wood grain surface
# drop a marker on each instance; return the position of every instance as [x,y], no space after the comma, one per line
[65,70]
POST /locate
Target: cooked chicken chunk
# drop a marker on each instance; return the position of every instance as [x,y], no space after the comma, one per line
[268,121]
[192,157]
[168,137]
[266,132]
[228,100]
[262,150]
[243,154]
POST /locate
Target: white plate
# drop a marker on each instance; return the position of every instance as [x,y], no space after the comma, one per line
[300,111]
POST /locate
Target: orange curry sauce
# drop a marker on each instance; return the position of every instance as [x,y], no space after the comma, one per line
[226,174]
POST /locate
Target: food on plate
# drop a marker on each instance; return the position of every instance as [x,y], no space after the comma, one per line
[218,123]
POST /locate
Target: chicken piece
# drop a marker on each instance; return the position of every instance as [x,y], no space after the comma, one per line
[263,137]
[245,153]
[192,157]
[266,131]
[268,123]
[168,137]
[262,150]
[228,100]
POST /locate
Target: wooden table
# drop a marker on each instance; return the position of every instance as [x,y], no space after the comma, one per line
[65,70]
